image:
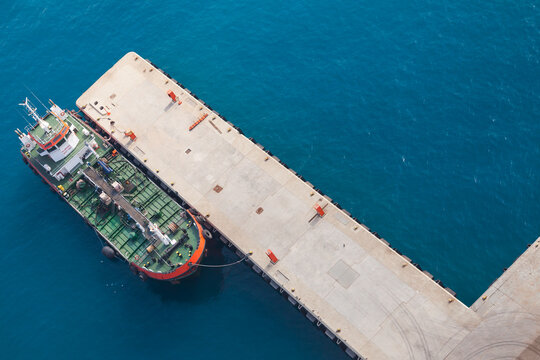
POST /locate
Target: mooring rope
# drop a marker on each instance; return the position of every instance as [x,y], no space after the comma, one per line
[99,237]
[222,265]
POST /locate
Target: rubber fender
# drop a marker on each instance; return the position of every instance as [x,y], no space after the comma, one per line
[108,252]
[207,234]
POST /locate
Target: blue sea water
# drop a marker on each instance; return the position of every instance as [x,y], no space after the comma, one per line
[421,117]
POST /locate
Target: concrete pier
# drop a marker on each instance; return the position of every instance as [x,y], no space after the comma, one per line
[366,297]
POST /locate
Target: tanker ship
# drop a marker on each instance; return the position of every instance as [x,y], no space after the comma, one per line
[138,221]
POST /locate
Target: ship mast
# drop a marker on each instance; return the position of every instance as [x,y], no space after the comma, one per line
[32,111]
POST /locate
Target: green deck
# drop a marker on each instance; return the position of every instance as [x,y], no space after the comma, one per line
[116,225]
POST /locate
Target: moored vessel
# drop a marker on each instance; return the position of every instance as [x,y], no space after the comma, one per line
[139,222]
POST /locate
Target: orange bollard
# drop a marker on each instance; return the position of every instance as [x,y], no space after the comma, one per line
[171,95]
[319,209]
[272,257]
[131,135]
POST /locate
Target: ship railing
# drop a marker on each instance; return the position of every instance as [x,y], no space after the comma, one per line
[55,128]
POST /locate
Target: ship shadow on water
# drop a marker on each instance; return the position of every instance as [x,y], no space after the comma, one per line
[205,284]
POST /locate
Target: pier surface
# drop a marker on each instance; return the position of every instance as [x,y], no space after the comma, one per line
[368,298]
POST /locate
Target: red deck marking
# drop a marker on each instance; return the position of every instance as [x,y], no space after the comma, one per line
[197,122]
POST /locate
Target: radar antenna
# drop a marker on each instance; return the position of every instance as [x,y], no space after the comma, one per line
[31,110]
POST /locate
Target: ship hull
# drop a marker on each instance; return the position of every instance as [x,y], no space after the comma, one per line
[189,268]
